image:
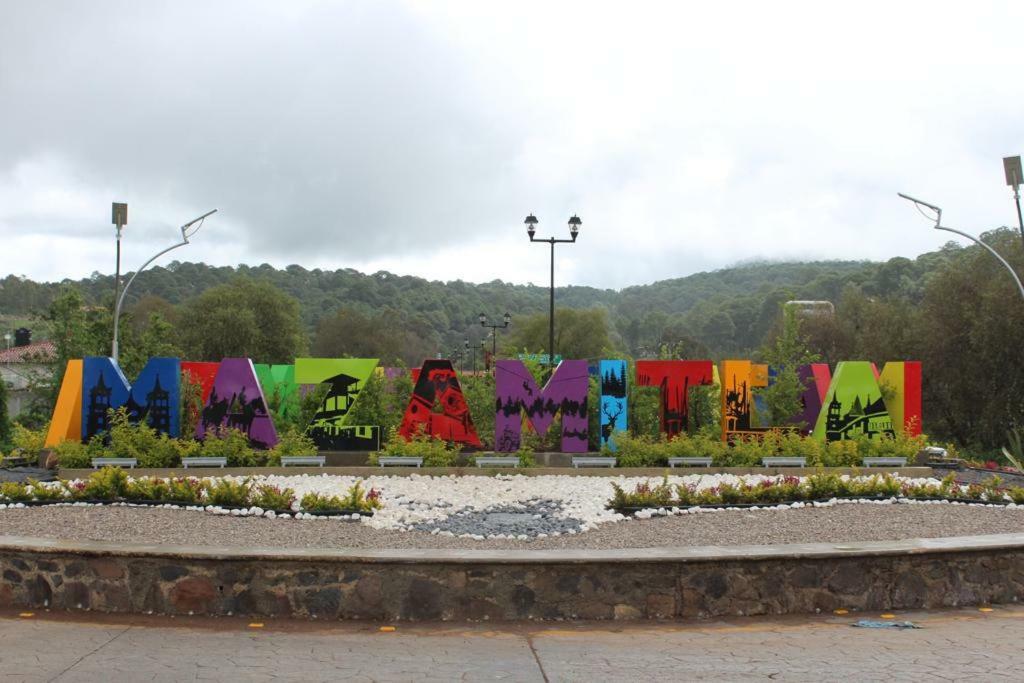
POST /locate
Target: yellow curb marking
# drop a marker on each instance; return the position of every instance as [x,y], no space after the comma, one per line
[26,615]
[387,629]
[888,616]
[984,609]
[256,625]
[841,611]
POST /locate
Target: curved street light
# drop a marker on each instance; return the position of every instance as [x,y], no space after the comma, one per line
[938,226]
[187,230]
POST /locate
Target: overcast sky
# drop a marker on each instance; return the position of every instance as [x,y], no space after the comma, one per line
[415,137]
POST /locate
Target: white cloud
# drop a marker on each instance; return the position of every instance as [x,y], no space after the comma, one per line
[416,137]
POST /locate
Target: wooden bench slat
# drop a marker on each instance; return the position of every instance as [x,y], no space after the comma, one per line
[498,461]
[885,462]
[204,462]
[114,462]
[690,462]
[784,462]
[592,461]
[316,460]
[399,461]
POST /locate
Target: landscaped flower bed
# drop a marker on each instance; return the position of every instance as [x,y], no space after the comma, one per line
[506,506]
[227,494]
[817,488]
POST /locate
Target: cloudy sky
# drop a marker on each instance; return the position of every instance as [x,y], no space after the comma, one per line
[415,137]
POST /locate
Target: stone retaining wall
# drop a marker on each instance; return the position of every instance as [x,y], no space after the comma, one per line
[508,585]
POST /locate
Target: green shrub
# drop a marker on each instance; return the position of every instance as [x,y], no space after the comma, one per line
[642,495]
[109,483]
[14,492]
[355,500]
[41,491]
[638,451]
[435,452]
[228,492]
[73,455]
[271,497]
[291,441]
[29,441]
[526,458]
[232,444]
[1016,494]
[168,452]
[148,489]
[185,490]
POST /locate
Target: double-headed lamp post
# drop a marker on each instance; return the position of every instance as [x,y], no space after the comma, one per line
[506,319]
[574,230]
[187,230]
[938,226]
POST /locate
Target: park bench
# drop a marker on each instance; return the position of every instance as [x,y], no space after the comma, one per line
[689,462]
[498,461]
[114,462]
[16,458]
[203,462]
[592,461]
[314,460]
[399,461]
[784,462]
[885,462]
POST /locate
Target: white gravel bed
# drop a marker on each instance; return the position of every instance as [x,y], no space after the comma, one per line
[508,511]
[838,524]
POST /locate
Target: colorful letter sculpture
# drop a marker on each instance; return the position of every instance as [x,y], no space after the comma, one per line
[853,405]
[815,379]
[237,402]
[66,423]
[345,379]
[675,377]
[613,400]
[279,386]
[437,384]
[153,398]
[516,391]
[740,377]
[903,379]
[202,373]
[856,400]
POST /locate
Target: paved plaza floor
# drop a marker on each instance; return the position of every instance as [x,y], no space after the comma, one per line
[950,645]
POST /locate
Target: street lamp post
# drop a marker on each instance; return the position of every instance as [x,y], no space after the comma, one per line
[187,231]
[507,318]
[938,226]
[1014,178]
[119,217]
[574,229]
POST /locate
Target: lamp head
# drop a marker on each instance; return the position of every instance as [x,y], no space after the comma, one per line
[574,226]
[531,225]
[1012,169]
[192,227]
[919,203]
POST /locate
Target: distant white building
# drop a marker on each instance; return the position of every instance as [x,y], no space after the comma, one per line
[812,307]
[23,367]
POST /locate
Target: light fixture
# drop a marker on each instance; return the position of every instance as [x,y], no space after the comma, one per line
[531,225]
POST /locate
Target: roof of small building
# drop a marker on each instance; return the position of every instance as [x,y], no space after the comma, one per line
[40,352]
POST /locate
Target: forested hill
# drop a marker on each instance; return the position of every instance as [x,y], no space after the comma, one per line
[728,310]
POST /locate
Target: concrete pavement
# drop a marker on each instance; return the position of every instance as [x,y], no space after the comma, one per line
[951,645]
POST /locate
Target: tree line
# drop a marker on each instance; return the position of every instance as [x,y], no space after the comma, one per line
[955,309]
